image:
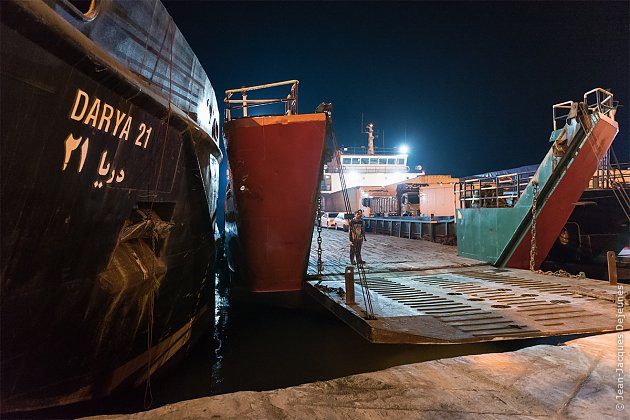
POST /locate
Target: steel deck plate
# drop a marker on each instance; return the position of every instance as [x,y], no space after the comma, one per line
[460,302]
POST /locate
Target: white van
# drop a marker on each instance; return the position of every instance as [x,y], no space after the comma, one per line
[328,219]
[341,222]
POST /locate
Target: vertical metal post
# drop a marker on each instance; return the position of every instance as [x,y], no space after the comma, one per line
[479,194]
[244,104]
[350,285]
[612,267]
[227,107]
[496,191]
[606,168]
[294,93]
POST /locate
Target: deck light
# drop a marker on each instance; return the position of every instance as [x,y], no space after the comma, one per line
[403,149]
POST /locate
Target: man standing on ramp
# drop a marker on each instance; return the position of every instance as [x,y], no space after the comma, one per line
[357,236]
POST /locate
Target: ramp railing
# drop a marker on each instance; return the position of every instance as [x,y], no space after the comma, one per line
[496,191]
[600,100]
[290,101]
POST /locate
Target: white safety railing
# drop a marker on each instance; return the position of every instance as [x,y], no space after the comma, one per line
[290,101]
[596,100]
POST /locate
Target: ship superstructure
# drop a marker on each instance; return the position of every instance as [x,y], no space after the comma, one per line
[363,166]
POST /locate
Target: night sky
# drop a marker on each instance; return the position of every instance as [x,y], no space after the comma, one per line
[470,85]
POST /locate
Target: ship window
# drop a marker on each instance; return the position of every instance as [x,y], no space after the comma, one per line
[373,161]
[391,161]
[401,161]
[364,161]
[355,161]
[382,161]
[346,161]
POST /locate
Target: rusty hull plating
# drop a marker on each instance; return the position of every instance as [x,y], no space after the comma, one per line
[276,165]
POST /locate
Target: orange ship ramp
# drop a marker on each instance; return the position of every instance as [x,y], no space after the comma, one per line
[422,292]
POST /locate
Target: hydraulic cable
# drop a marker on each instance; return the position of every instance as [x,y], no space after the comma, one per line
[618,188]
[365,291]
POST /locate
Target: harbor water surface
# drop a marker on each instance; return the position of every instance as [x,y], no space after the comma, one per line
[259,346]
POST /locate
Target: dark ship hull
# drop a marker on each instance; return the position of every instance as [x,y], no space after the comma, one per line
[109,183]
[597,224]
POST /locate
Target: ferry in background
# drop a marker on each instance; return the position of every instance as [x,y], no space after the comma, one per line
[109,179]
[275,165]
[381,184]
[387,167]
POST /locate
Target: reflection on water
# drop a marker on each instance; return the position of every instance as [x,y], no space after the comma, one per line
[257,346]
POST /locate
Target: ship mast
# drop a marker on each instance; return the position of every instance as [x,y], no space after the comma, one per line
[370,134]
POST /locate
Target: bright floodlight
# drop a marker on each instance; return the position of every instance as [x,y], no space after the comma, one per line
[404,149]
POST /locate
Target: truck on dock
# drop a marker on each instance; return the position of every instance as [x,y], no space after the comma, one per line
[397,200]
[405,201]
[393,200]
[361,198]
[408,199]
[422,198]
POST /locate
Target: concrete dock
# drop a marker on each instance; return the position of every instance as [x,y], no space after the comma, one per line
[422,292]
[582,379]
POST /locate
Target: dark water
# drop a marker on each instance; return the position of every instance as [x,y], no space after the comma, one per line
[257,346]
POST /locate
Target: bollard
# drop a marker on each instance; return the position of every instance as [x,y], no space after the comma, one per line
[612,267]
[350,285]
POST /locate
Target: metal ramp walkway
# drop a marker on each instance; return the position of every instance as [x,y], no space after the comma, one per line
[422,293]
[473,305]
